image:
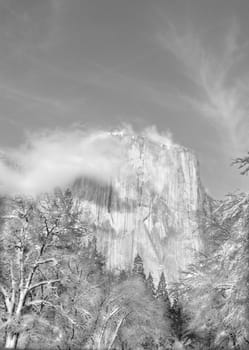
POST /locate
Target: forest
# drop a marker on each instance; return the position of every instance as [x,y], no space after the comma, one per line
[56,292]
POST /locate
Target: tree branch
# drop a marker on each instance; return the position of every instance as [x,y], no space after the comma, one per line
[116,310]
[66,315]
[42,301]
[13,285]
[37,263]
[40,262]
[12,217]
[4,292]
[5,324]
[21,269]
[42,283]
[6,296]
[116,331]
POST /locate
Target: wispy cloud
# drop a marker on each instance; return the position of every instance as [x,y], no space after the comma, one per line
[57,158]
[221,94]
[23,96]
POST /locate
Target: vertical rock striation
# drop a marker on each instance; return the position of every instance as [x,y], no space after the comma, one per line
[151,208]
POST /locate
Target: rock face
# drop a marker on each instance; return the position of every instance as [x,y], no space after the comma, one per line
[151,208]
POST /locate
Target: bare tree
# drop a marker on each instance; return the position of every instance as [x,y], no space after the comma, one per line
[130,313]
[31,237]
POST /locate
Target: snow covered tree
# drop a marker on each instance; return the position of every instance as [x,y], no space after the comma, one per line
[80,293]
[162,293]
[138,267]
[34,234]
[163,300]
[129,317]
[150,285]
[215,289]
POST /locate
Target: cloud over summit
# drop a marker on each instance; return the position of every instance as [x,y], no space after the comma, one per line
[57,158]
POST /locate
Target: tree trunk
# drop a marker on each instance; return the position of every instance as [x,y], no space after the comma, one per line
[11,340]
[12,337]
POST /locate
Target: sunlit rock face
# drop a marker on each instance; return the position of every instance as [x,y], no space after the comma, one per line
[151,208]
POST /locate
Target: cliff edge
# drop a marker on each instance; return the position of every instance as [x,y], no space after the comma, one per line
[152,207]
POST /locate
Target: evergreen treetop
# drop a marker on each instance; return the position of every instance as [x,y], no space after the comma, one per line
[162,287]
[150,285]
[138,267]
[162,292]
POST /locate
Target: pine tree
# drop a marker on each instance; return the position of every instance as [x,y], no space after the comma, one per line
[162,292]
[162,287]
[176,315]
[150,285]
[138,267]
[96,257]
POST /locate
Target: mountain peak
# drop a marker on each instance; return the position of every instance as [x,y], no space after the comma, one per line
[150,208]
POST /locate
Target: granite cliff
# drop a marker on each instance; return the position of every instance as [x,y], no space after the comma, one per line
[151,207]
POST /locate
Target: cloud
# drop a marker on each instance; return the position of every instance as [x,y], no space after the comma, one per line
[25,97]
[152,134]
[221,97]
[51,159]
[57,158]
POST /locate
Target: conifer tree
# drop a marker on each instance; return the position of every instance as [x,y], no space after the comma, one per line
[138,267]
[177,319]
[97,259]
[162,292]
[162,287]
[150,285]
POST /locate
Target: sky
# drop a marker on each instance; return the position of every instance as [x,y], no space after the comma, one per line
[181,66]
